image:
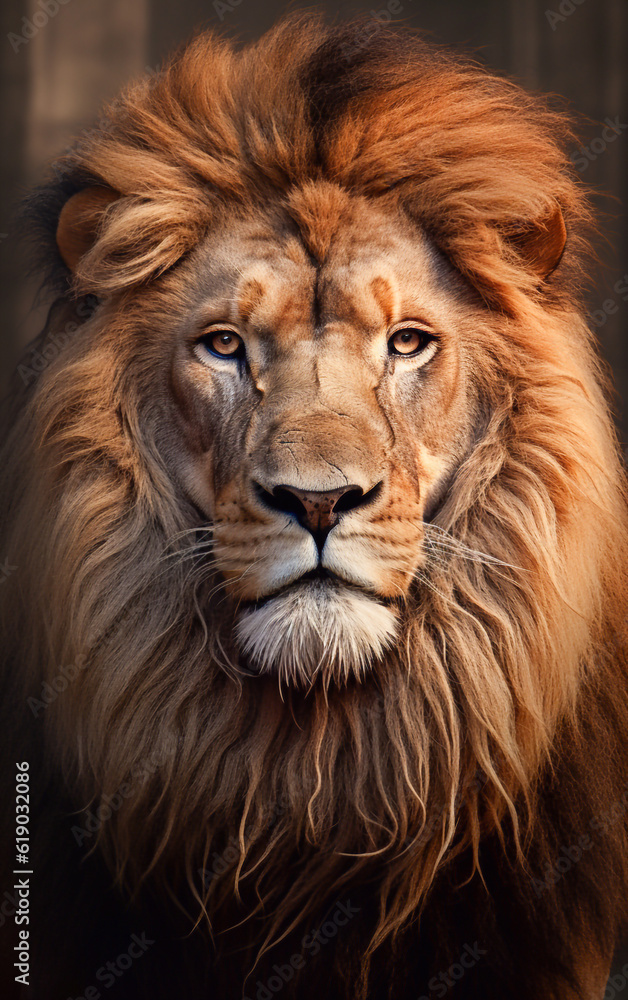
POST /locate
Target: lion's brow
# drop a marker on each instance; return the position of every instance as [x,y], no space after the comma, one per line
[250,295]
[384,295]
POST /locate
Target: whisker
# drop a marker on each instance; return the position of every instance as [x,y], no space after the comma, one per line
[448,543]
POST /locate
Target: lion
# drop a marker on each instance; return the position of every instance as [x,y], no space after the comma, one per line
[316,638]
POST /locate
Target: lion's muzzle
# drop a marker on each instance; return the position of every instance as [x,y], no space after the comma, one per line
[318,511]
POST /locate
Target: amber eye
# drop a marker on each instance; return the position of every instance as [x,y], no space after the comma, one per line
[223,344]
[411,341]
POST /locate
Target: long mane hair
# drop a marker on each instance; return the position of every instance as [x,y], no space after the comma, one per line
[501,715]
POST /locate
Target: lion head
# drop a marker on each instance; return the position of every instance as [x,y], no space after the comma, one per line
[322,477]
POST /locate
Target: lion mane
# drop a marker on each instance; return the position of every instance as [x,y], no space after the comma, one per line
[470,788]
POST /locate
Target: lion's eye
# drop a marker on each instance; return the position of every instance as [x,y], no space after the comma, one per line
[223,344]
[411,342]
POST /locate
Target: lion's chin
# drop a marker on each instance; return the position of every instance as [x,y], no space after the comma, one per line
[316,627]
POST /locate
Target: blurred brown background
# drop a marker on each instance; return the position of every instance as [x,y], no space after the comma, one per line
[61,59]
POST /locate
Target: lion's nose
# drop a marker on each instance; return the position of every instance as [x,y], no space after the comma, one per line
[317,510]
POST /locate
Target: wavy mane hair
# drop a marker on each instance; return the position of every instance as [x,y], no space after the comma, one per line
[495,731]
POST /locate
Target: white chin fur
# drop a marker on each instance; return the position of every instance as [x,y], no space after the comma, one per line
[316,626]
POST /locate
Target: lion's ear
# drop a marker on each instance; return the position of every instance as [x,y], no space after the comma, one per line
[79,222]
[541,244]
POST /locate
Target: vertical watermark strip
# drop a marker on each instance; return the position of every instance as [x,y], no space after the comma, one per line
[23,872]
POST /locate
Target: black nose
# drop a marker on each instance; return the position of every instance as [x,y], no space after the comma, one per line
[317,510]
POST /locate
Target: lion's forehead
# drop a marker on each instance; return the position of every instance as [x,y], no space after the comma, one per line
[271,282]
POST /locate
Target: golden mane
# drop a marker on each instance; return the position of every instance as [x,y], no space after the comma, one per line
[506,678]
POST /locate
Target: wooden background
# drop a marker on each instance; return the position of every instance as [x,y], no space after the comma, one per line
[55,81]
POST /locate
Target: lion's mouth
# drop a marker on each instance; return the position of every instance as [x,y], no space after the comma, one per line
[319,575]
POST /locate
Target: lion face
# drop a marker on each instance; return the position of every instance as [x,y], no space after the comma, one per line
[320,385]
